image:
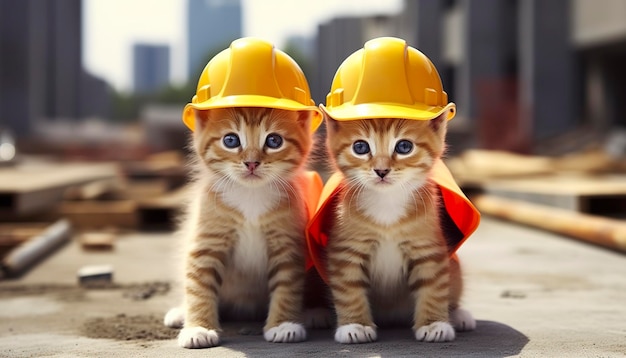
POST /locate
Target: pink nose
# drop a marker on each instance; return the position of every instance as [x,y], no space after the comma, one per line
[252,165]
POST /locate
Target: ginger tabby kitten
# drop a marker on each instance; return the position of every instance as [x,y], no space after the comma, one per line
[244,226]
[387,257]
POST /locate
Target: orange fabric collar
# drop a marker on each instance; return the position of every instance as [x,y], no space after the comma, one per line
[457,206]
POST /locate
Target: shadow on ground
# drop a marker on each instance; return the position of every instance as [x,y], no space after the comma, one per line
[490,339]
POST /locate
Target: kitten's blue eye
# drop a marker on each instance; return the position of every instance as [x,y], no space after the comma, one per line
[274,141]
[404,147]
[231,140]
[361,147]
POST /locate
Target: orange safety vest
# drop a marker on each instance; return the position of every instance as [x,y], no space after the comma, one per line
[311,184]
[459,218]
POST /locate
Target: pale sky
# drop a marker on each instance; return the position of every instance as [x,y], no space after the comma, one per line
[111,27]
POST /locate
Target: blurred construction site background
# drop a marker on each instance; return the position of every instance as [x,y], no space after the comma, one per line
[93,163]
[540,88]
[542,77]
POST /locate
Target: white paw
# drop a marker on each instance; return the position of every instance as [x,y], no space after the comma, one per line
[318,318]
[198,337]
[355,333]
[286,332]
[435,332]
[174,318]
[462,320]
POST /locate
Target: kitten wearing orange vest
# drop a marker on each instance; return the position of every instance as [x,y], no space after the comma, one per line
[387,257]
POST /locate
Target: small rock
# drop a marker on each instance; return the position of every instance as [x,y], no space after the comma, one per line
[512,294]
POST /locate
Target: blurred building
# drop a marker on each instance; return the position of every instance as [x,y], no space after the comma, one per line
[508,64]
[151,67]
[96,100]
[212,26]
[337,39]
[522,72]
[599,38]
[340,37]
[303,45]
[41,76]
[162,127]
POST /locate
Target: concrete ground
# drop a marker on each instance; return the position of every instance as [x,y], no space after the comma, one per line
[533,293]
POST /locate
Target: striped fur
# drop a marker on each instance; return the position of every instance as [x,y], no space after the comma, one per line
[243,230]
[387,257]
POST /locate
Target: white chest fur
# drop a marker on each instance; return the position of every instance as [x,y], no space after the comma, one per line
[252,202]
[387,266]
[250,252]
[384,207]
[245,280]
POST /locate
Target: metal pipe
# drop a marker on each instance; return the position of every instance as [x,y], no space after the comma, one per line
[25,255]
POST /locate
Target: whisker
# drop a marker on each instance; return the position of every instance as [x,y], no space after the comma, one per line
[222,184]
[275,185]
[285,187]
[421,195]
[410,191]
[354,186]
[428,195]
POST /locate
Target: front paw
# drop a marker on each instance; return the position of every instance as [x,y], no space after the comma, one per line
[435,332]
[198,337]
[462,320]
[286,332]
[174,318]
[355,333]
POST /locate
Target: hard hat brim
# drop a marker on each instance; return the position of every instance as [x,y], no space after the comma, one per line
[251,101]
[381,110]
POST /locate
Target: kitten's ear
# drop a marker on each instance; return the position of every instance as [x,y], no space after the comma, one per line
[439,124]
[331,123]
[304,119]
[201,118]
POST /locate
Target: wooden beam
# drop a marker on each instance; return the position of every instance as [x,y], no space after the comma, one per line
[34,188]
[602,231]
[100,214]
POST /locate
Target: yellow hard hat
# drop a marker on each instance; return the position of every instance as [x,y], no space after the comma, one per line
[387,79]
[252,73]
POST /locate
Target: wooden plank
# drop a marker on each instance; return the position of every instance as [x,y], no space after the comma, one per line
[172,200]
[161,212]
[170,167]
[97,240]
[563,184]
[139,189]
[594,194]
[597,230]
[94,190]
[36,187]
[474,167]
[100,214]
[38,176]
[14,235]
